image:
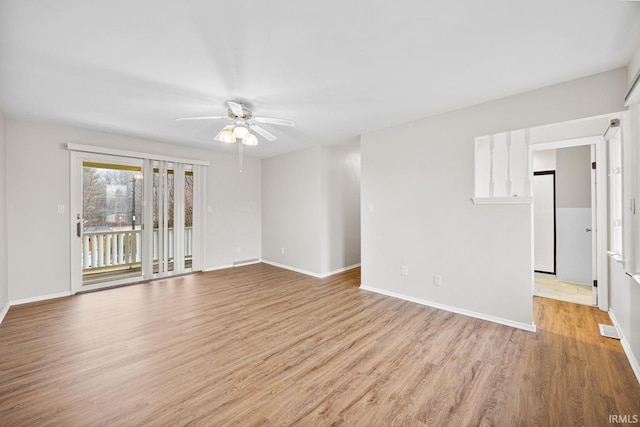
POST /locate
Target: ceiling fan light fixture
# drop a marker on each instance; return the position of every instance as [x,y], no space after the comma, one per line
[227,136]
[250,139]
[240,132]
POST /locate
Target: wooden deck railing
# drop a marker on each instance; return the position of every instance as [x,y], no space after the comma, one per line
[122,248]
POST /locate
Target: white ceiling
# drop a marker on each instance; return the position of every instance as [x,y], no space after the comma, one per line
[338,68]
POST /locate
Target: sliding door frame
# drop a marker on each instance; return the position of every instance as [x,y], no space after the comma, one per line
[75,216]
[78,152]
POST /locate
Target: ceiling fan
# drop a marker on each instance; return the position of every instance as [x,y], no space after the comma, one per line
[243,126]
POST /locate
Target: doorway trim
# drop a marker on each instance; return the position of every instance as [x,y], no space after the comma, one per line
[599,143]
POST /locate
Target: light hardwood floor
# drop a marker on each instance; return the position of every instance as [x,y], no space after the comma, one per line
[548,286]
[259,345]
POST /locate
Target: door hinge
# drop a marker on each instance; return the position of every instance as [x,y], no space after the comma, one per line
[593,165]
[595,283]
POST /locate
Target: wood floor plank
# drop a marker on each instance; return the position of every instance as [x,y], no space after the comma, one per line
[259,345]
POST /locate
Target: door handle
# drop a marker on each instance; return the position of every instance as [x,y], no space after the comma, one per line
[588,230]
[79,225]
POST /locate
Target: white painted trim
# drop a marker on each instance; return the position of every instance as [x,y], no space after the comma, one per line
[242,263]
[481,316]
[75,244]
[502,200]
[310,273]
[217,267]
[136,154]
[4,311]
[635,277]
[340,270]
[635,366]
[566,143]
[601,207]
[297,270]
[39,298]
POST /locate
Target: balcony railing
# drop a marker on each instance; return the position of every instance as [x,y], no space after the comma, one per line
[122,248]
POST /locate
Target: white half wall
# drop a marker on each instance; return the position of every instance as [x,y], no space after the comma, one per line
[38,181]
[4,278]
[419,178]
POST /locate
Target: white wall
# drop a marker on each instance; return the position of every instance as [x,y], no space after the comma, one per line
[235,200]
[38,181]
[419,178]
[573,177]
[341,206]
[624,296]
[291,209]
[544,160]
[311,208]
[4,283]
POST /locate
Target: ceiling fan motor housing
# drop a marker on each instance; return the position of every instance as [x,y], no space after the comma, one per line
[246,114]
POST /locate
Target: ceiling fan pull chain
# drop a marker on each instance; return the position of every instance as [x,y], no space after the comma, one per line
[240,155]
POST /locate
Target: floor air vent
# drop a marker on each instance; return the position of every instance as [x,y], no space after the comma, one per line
[609,331]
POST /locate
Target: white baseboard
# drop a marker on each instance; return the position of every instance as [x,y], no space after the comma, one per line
[635,366]
[232,265]
[39,298]
[242,263]
[218,267]
[4,311]
[307,272]
[288,267]
[481,316]
[340,270]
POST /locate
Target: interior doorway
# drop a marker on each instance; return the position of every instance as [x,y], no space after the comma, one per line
[565,220]
[574,277]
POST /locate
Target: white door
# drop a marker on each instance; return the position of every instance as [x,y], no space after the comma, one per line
[107,214]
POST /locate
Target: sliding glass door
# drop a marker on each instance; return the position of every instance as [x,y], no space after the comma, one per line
[134,220]
[173,214]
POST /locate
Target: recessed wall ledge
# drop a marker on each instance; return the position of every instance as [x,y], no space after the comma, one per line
[617,257]
[634,276]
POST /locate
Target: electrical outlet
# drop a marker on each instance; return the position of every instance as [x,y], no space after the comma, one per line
[238,249]
[437,280]
[281,251]
[404,270]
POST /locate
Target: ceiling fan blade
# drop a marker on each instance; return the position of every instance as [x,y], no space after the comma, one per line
[274,121]
[201,118]
[266,135]
[236,108]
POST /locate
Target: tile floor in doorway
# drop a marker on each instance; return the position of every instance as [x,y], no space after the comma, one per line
[548,286]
